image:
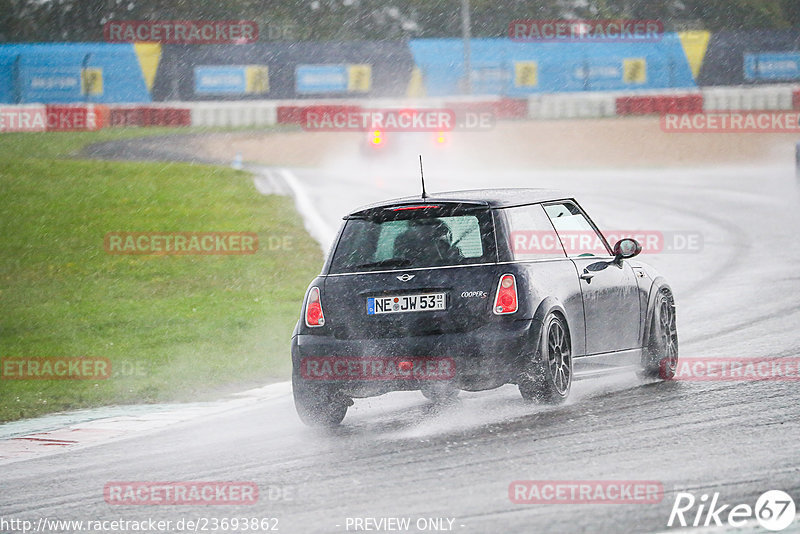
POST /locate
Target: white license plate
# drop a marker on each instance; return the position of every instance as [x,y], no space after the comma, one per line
[406,303]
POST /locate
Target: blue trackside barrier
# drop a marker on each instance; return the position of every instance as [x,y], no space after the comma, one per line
[70,73]
[112,73]
[506,67]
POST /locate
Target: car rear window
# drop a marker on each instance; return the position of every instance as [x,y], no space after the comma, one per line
[419,240]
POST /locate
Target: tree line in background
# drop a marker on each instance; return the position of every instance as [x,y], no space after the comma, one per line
[83,20]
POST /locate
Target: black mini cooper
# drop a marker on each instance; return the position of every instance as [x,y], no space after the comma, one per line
[471,290]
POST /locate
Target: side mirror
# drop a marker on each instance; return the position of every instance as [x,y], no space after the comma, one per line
[626,248]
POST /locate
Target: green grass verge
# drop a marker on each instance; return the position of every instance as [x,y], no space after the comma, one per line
[175,328]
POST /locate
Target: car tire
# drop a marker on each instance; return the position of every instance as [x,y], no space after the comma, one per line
[548,374]
[440,393]
[318,406]
[660,354]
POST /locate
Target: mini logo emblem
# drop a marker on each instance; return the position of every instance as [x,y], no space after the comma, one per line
[405,277]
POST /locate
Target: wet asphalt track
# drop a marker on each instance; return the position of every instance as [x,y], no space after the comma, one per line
[398,456]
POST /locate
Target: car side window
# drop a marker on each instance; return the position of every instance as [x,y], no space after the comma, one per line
[575,231]
[531,235]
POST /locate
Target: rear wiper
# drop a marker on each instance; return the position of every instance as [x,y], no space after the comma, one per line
[462,236]
[391,262]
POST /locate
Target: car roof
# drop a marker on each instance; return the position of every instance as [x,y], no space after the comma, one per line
[491,198]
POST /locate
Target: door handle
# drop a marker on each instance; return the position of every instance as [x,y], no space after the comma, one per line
[587,276]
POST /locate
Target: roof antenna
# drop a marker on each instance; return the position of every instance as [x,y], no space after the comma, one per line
[422,177]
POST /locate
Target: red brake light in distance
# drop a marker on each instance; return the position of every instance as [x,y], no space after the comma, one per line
[505,300]
[314,315]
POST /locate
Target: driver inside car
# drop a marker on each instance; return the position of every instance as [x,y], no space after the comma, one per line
[427,241]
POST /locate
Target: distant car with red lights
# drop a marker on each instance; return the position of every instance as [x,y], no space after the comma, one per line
[379,142]
[472,290]
[427,134]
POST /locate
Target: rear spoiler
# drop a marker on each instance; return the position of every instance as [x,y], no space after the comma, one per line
[433,207]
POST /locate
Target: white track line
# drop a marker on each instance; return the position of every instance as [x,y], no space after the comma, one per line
[314,223]
[97,429]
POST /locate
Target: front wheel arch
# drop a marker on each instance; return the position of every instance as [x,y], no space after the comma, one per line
[660,351]
[656,287]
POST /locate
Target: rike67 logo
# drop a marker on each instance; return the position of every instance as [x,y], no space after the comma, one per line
[774,511]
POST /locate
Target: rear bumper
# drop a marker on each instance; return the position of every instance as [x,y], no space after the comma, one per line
[484,358]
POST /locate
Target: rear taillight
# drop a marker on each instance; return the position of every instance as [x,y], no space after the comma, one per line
[505,300]
[314,315]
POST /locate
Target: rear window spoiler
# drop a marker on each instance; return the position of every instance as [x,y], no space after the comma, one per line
[430,206]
